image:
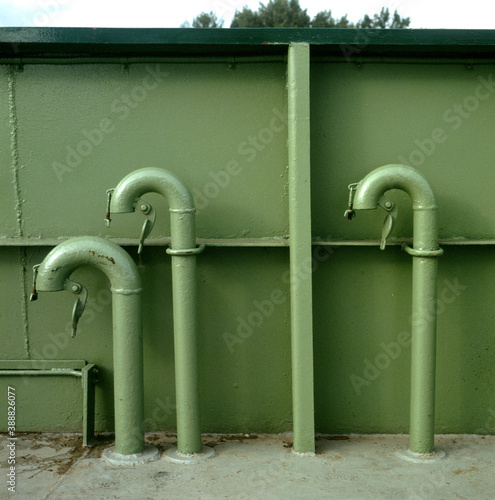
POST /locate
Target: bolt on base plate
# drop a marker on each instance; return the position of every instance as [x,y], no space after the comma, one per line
[173,455]
[149,454]
[419,458]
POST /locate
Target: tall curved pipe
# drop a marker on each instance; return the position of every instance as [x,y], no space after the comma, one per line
[126,289]
[183,250]
[158,180]
[424,289]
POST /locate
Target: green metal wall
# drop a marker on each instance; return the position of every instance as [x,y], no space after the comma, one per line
[436,117]
[222,127]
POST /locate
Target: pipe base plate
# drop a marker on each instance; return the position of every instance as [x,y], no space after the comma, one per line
[149,454]
[303,453]
[173,455]
[418,458]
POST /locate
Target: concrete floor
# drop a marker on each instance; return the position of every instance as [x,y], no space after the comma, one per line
[56,466]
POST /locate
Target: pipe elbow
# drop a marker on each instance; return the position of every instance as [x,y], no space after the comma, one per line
[151,180]
[372,187]
[92,251]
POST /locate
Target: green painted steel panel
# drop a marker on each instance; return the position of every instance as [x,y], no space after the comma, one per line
[244,349]
[437,118]
[362,333]
[8,217]
[362,300]
[12,310]
[199,119]
[56,400]
[222,129]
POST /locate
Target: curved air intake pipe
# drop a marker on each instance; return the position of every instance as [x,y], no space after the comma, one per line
[368,195]
[53,275]
[125,198]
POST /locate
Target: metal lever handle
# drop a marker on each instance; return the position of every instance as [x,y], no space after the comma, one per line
[109,199]
[82,295]
[350,213]
[389,222]
[150,214]
[34,293]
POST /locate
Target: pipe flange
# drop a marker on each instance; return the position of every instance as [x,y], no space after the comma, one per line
[187,251]
[422,253]
[174,455]
[149,454]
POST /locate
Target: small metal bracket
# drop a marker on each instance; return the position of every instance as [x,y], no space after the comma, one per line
[350,213]
[82,294]
[109,199]
[150,214]
[188,251]
[389,222]
[34,293]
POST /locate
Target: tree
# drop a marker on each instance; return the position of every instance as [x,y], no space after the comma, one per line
[324,19]
[383,20]
[276,13]
[246,19]
[205,20]
[289,14]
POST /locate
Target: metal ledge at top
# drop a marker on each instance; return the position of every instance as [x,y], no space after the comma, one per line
[84,42]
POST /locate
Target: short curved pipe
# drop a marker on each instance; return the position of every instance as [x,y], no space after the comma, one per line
[183,251]
[424,294]
[126,289]
[92,251]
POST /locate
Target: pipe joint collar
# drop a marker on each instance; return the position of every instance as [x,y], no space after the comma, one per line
[422,253]
[186,251]
[425,207]
[182,210]
[126,291]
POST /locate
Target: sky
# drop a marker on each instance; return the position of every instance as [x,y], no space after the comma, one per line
[475,14]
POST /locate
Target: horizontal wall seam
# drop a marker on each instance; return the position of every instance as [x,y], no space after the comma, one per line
[19,61]
[244,242]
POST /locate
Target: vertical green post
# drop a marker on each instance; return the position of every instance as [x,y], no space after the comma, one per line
[300,248]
